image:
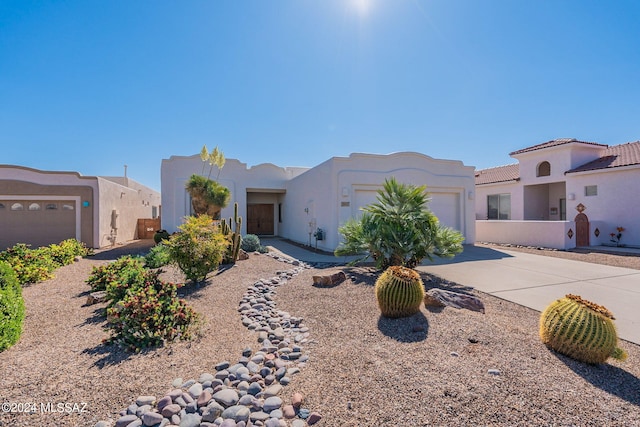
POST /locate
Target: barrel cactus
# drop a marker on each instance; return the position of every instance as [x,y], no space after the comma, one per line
[399,291]
[581,330]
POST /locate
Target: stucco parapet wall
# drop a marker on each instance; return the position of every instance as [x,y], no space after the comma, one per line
[238,166]
[414,159]
[129,184]
[36,176]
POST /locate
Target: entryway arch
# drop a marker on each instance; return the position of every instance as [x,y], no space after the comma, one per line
[582,230]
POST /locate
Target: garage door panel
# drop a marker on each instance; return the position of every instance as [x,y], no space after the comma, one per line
[39,223]
[446,206]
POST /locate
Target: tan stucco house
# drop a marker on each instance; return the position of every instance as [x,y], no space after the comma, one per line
[561,194]
[294,202]
[43,207]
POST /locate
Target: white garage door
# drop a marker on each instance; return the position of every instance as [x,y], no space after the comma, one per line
[446,206]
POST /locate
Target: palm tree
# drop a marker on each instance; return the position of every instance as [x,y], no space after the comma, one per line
[399,229]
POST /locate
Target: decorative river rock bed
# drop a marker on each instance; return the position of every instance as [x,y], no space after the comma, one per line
[247,393]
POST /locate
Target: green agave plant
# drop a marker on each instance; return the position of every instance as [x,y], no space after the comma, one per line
[581,330]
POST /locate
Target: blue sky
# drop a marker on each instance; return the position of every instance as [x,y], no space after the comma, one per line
[90,86]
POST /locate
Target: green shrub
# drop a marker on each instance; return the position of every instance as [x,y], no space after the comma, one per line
[117,275]
[11,307]
[157,257]
[30,265]
[250,243]
[150,315]
[198,248]
[399,229]
[66,252]
[263,249]
[160,235]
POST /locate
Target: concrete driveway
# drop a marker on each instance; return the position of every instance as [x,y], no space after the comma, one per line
[535,281]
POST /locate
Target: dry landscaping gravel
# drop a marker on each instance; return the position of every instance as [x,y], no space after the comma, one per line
[443,367]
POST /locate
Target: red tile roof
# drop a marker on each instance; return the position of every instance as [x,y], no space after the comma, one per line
[555,142]
[614,157]
[498,174]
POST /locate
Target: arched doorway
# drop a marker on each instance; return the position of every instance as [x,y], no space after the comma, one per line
[582,230]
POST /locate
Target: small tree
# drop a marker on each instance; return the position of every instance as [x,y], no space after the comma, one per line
[399,229]
[198,248]
[208,196]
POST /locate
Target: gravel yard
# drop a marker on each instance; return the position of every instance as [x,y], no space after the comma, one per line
[440,367]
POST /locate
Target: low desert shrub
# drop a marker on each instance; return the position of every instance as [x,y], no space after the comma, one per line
[66,252]
[198,248]
[157,257]
[131,277]
[150,315]
[250,243]
[160,235]
[116,276]
[30,265]
[11,307]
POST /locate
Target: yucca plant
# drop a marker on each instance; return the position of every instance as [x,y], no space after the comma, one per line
[208,196]
[581,330]
[399,229]
[399,292]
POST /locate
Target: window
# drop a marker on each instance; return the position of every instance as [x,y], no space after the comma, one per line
[34,207]
[17,207]
[544,169]
[51,206]
[67,207]
[591,190]
[499,206]
[1,205]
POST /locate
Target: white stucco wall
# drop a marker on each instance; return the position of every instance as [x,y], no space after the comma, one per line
[561,158]
[235,175]
[310,204]
[512,188]
[132,201]
[326,195]
[616,205]
[549,234]
[335,190]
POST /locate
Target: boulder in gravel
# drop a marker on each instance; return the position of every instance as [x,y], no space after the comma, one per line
[442,298]
[96,297]
[330,280]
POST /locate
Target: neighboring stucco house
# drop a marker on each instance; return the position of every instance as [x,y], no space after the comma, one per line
[293,202]
[561,194]
[43,207]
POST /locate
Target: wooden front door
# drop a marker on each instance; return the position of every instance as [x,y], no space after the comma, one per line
[260,219]
[582,230]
